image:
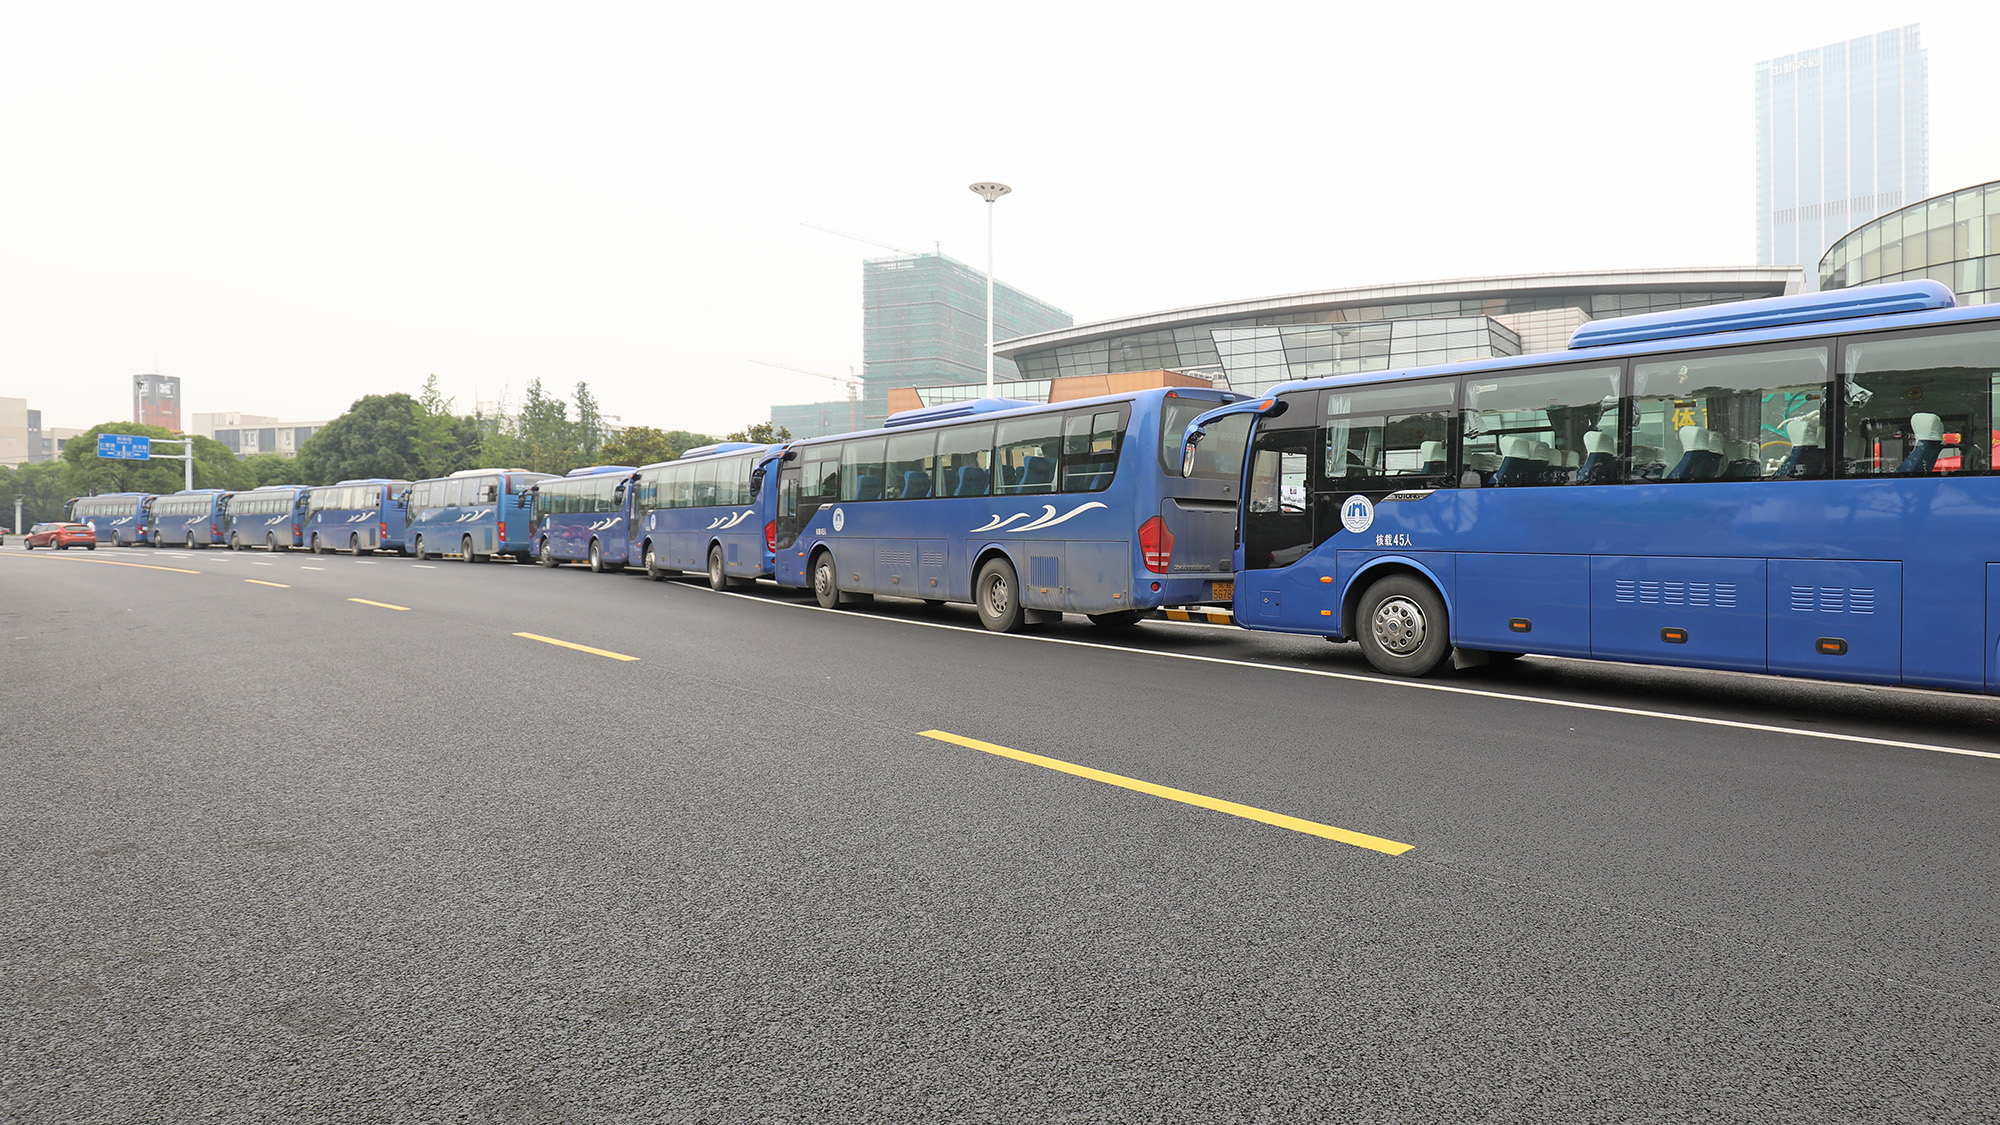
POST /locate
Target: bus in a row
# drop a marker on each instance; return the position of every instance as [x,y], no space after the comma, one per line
[190,519]
[475,514]
[1797,485]
[357,516]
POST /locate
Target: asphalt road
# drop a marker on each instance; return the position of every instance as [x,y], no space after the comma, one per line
[272,853]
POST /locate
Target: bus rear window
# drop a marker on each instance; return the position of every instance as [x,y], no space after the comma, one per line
[1220,454]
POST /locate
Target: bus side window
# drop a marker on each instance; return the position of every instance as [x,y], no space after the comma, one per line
[1921,405]
[861,469]
[1277,527]
[1090,450]
[1025,454]
[965,460]
[1542,427]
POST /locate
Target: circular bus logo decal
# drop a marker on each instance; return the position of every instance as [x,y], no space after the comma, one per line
[1357,514]
[839,519]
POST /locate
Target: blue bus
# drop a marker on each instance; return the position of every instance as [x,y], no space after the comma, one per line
[356,516]
[711,511]
[475,513]
[1027,511]
[583,516]
[122,519]
[1797,485]
[191,518]
[273,518]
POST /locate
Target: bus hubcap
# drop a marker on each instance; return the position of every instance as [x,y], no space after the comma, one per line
[823,580]
[1399,626]
[996,596]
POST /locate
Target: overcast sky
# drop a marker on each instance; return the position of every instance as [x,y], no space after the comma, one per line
[290,206]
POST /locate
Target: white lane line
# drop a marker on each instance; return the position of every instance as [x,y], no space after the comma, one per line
[423,566]
[363,562]
[1410,685]
[263,564]
[312,568]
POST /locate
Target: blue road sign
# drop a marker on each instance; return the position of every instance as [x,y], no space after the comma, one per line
[125,447]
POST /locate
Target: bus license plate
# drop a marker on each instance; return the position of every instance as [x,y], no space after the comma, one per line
[1224,592]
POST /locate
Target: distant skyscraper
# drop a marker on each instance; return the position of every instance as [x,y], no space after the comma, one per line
[156,401]
[1843,135]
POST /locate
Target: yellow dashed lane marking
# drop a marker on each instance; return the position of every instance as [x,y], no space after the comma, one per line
[577,647]
[261,582]
[1262,816]
[384,605]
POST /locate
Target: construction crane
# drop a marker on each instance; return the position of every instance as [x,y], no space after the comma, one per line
[852,382]
[937,247]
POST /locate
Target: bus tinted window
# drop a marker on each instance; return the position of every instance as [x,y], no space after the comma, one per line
[1090,449]
[911,463]
[1389,435]
[1726,415]
[1922,404]
[1540,427]
[1025,452]
[819,473]
[1220,454]
[965,460]
[861,469]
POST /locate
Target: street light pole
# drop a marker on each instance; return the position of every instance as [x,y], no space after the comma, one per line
[989,192]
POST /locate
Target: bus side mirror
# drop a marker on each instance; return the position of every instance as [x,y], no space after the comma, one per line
[1187,453]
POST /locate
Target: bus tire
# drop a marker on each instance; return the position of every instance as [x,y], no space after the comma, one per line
[190,541]
[314,546]
[545,554]
[654,571]
[596,558]
[997,594]
[354,544]
[1402,626]
[271,542]
[718,577]
[1116,619]
[235,541]
[467,553]
[826,583]
[417,549]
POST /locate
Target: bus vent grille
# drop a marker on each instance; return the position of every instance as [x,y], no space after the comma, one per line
[1704,595]
[933,558]
[1833,599]
[895,558]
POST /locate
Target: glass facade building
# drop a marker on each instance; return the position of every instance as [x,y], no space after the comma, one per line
[1253,345]
[1842,136]
[1953,239]
[924,323]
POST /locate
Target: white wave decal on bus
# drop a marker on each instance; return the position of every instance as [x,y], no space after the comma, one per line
[1047,519]
[724,523]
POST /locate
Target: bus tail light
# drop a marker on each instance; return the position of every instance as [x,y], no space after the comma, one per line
[383,532]
[771,536]
[1156,543]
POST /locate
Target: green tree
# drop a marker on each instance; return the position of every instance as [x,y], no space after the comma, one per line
[85,473]
[547,432]
[42,491]
[377,437]
[589,425]
[763,432]
[446,442]
[275,468]
[644,445]
[500,444]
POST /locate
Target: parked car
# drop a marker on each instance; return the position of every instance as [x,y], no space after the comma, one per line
[62,536]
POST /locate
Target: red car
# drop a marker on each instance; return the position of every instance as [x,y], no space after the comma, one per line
[62,536]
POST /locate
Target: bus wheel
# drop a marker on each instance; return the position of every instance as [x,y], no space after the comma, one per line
[596,559]
[354,545]
[718,578]
[465,546]
[271,542]
[1116,619]
[998,596]
[653,571]
[235,541]
[190,542]
[544,553]
[1403,627]
[417,549]
[826,583]
[314,546]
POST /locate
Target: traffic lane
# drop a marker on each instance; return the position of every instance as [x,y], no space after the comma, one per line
[1859,854]
[819,918]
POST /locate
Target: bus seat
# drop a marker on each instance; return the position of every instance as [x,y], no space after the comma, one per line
[1517,462]
[971,481]
[947,480]
[1600,461]
[1039,475]
[1694,455]
[1481,467]
[916,484]
[1808,455]
[1717,461]
[1928,430]
[1745,465]
[869,487]
[1010,478]
[1431,453]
